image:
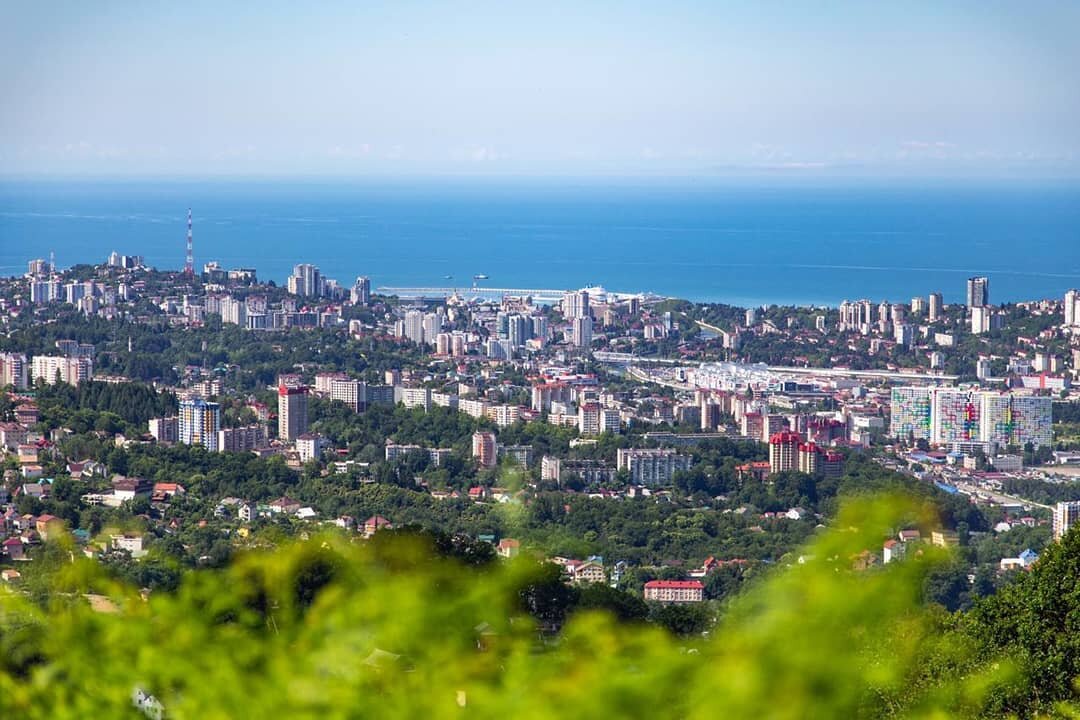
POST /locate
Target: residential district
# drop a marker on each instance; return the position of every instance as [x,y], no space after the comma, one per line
[670,449]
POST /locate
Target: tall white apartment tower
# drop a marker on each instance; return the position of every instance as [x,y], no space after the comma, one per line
[576,304]
[1066,515]
[935,307]
[582,331]
[978,292]
[1072,308]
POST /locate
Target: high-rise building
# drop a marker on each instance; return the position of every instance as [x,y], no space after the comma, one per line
[433,324]
[1066,514]
[485,449]
[589,418]
[1009,419]
[918,305]
[306,281]
[351,392]
[38,268]
[978,292]
[936,306]
[947,416]
[233,311]
[1072,308]
[910,413]
[71,370]
[165,429]
[242,439]
[651,466]
[904,334]
[361,291]
[292,412]
[414,326]
[14,370]
[610,421]
[539,328]
[582,328]
[955,416]
[832,464]
[856,316]
[44,291]
[518,330]
[199,423]
[809,458]
[576,304]
[981,319]
[783,451]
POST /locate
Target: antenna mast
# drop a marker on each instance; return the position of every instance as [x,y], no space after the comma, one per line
[189,266]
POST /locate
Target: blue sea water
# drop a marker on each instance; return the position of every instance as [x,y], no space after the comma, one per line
[745,243]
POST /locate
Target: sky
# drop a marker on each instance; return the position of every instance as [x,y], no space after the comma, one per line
[714,88]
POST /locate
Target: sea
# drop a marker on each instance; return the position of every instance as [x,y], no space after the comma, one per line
[745,242]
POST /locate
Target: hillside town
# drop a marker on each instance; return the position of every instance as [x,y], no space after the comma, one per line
[605,400]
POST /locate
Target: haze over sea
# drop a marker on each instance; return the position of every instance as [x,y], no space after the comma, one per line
[748,243]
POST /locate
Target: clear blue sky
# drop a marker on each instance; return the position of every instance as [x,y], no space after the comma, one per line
[802,88]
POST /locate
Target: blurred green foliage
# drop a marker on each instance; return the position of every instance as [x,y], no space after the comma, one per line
[403,627]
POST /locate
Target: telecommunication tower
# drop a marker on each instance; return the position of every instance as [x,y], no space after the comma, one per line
[189,266]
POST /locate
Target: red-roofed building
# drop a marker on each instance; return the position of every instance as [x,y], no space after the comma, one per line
[508,547]
[376,523]
[48,524]
[753,470]
[164,491]
[892,550]
[832,464]
[675,591]
[783,451]
[13,548]
[809,458]
[285,505]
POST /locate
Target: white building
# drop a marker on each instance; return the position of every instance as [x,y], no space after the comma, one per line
[1072,308]
[1066,514]
[14,370]
[233,311]
[651,466]
[72,370]
[413,397]
[310,446]
[582,332]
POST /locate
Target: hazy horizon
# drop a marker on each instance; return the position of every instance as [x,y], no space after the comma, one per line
[923,90]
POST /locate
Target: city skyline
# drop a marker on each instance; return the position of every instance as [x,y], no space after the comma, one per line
[923,90]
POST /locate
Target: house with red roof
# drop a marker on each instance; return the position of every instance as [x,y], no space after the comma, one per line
[13,548]
[375,523]
[892,550]
[508,547]
[284,504]
[48,524]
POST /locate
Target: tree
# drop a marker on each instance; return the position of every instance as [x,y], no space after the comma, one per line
[1032,622]
[681,618]
[625,606]
[546,597]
